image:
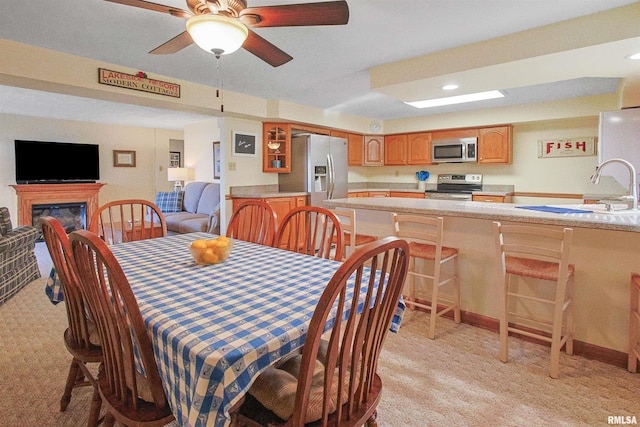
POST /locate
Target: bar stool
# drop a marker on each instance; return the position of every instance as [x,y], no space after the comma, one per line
[425,235]
[634,317]
[536,253]
[352,239]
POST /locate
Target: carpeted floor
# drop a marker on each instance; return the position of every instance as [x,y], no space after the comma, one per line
[455,380]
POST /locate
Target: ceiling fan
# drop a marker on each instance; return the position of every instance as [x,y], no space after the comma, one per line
[235,13]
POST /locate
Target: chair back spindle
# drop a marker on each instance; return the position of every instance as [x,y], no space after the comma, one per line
[253,221]
[311,230]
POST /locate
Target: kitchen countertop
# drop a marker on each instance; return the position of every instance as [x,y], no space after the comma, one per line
[487,190]
[262,192]
[495,211]
[258,195]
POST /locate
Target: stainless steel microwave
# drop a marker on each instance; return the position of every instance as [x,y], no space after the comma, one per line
[456,150]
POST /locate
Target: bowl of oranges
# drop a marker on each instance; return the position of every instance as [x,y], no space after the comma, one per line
[211,251]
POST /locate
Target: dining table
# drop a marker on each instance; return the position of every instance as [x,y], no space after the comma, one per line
[216,327]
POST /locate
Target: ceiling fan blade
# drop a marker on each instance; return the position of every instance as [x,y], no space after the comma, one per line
[265,50]
[291,15]
[177,43]
[154,6]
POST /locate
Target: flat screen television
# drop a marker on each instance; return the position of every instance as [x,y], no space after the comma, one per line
[56,162]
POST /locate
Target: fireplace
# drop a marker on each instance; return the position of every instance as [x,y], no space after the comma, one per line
[72,216]
[31,196]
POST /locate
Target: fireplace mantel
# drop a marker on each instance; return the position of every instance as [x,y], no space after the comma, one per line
[38,194]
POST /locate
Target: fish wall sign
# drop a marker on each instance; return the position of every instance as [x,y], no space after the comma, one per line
[567,147]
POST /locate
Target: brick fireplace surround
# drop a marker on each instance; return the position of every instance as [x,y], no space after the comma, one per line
[40,194]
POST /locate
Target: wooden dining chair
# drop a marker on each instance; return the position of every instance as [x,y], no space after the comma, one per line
[128,220]
[334,381]
[132,396]
[352,239]
[311,230]
[253,221]
[80,337]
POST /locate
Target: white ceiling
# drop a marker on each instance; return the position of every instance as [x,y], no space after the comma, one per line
[331,65]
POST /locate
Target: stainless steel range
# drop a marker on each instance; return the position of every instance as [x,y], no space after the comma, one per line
[455,186]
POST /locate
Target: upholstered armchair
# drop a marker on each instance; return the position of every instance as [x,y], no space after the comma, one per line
[18,265]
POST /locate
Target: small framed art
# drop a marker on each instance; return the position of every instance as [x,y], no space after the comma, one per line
[174,159]
[244,144]
[124,158]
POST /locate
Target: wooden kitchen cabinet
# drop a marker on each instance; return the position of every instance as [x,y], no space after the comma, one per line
[373,150]
[406,194]
[276,147]
[339,134]
[395,149]
[355,143]
[358,194]
[454,133]
[495,145]
[408,149]
[492,199]
[378,194]
[419,148]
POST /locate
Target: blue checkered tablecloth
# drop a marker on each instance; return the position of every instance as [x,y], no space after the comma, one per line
[216,327]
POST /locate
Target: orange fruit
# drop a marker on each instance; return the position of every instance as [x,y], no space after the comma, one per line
[209,256]
[223,238]
[199,244]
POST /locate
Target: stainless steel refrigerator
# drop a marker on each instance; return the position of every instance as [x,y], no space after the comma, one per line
[318,166]
[619,137]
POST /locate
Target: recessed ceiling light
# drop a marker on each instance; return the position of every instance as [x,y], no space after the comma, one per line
[470,97]
[634,56]
[450,87]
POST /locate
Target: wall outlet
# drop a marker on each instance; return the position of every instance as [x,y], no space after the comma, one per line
[397,173]
[232,166]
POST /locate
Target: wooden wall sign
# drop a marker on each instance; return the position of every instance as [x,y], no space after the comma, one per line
[567,147]
[137,82]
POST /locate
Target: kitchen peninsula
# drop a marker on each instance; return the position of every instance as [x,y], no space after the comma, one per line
[605,250]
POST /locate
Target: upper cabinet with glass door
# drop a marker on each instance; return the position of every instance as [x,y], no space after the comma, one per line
[276,147]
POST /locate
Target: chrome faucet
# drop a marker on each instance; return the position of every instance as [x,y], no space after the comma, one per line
[633,185]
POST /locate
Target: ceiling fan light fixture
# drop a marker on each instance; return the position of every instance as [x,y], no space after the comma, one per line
[217,34]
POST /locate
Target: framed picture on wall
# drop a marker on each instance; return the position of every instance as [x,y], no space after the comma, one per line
[244,144]
[174,159]
[216,160]
[124,158]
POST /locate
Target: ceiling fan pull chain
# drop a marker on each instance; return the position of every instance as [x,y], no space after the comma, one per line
[219,73]
[221,85]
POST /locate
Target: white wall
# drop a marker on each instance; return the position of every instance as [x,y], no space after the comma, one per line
[143,181]
[198,148]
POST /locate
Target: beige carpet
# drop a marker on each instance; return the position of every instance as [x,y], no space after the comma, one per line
[455,380]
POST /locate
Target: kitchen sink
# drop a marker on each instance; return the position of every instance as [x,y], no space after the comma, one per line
[601,208]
